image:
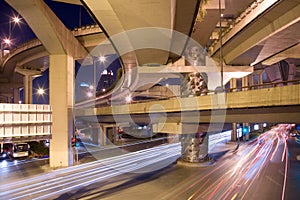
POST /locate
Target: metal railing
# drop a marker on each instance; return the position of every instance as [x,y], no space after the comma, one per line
[265,85]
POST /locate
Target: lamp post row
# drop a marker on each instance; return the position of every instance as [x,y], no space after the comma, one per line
[6,42]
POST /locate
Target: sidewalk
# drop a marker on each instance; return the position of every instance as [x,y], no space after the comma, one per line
[223,146]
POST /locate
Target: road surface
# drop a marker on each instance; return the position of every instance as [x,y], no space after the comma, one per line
[260,169]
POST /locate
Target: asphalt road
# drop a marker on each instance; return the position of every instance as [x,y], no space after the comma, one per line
[261,169]
[18,169]
[293,180]
[255,171]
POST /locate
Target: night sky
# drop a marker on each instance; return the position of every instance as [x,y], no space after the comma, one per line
[67,13]
[71,15]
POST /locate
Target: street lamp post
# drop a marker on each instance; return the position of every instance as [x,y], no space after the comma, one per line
[4,43]
[7,41]
[220,50]
[1,48]
[102,59]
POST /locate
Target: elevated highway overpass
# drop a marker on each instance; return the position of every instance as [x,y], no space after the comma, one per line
[272,105]
[33,58]
[63,47]
[261,33]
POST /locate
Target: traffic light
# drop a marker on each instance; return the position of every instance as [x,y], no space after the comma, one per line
[245,130]
[73,141]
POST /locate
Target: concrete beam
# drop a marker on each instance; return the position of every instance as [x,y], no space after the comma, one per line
[214,5]
[56,38]
[28,72]
[211,69]
[189,69]
[250,39]
[184,128]
[115,19]
[32,57]
[269,97]
[76,2]
[10,85]
[292,52]
[284,114]
[261,8]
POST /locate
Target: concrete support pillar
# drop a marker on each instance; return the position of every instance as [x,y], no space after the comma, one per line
[61,81]
[16,95]
[184,86]
[27,81]
[233,85]
[103,136]
[116,135]
[110,136]
[251,80]
[234,132]
[261,126]
[190,148]
[11,99]
[245,83]
[193,138]
[194,147]
[27,89]
[260,78]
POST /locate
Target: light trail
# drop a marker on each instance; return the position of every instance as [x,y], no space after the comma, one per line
[285,175]
[240,173]
[234,177]
[74,169]
[64,180]
[129,168]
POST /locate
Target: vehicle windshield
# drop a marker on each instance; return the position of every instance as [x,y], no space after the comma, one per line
[20,147]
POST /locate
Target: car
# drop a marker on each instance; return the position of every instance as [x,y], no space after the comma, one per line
[261,141]
[4,155]
[294,133]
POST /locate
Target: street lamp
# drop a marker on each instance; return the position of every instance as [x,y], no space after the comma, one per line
[41,91]
[89,94]
[220,50]
[128,98]
[15,20]
[102,59]
[3,44]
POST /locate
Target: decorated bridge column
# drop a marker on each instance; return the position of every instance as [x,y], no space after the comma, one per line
[194,147]
[193,138]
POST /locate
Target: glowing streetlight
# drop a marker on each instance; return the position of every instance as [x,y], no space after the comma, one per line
[41,91]
[102,59]
[16,19]
[128,99]
[7,41]
[89,94]
[4,43]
